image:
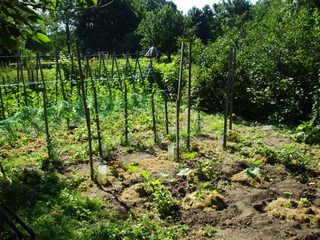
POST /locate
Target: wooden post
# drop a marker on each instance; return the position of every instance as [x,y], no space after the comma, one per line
[153,108]
[2,112]
[37,80]
[126,122]
[178,104]
[231,86]
[63,92]
[227,100]
[87,113]
[45,111]
[109,77]
[189,97]
[96,108]
[153,111]
[18,81]
[166,115]
[25,96]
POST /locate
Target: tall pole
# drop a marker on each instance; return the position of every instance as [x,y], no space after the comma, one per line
[227,100]
[45,112]
[231,86]
[87,113]
[189,97]
[178,104]
[96,108]
[2,112]
[59,76]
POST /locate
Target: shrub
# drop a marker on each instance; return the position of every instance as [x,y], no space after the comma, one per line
[162,198]
[308,132]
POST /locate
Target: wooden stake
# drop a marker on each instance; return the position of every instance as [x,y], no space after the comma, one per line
[45,111]
[231,86]
[178,104]
[166,115]
[63,92]
[87,113]
[189,97]
[96,108]
[2,112]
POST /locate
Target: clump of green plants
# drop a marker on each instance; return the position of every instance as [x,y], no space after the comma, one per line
[308,132]
[236,137]
[269,154]
[162,198]
[141,228]
[293,158]
[205,170]
[51,206]
[209,231]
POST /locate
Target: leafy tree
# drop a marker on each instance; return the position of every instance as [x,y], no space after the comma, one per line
[108,28]
[162,28]
[144,6]
[228,14]
[20,20]
[278,59]
[201,20]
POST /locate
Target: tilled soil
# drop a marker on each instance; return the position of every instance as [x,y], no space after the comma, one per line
[245,215]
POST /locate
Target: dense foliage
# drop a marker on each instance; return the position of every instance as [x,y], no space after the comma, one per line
[277,63]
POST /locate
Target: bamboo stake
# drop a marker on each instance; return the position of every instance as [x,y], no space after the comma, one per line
[232,79]
[166,115]
[96,108]
[2,112]
[153,108]
[154,122]
[189,97]
[18,81]
[227,101]
[105,66]
[25,97]
[63,92]
[45,111]
[87,114]
[178,104]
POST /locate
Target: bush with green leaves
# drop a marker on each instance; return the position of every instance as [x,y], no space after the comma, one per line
[162,199]
[142,228]
[308,132]
[269,154]
[51,206]
[277,64]
[205,170]
[293,158]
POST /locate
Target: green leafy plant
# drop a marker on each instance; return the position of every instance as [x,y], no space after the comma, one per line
[162,199]
[308,132]
[205,170]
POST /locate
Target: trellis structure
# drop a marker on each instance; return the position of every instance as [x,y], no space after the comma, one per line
[111,71]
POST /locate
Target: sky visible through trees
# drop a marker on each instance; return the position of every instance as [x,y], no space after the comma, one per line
[186,5]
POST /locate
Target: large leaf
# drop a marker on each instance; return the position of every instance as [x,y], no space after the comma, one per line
[41,38]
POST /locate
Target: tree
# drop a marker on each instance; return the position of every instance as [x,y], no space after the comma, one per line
[108,28]
[230,14]
[20,20]
[162,28]
[202,22]
[277,64]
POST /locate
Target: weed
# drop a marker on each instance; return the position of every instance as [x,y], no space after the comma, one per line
[205,170]
[269,154]
[292,157]
[162,199]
